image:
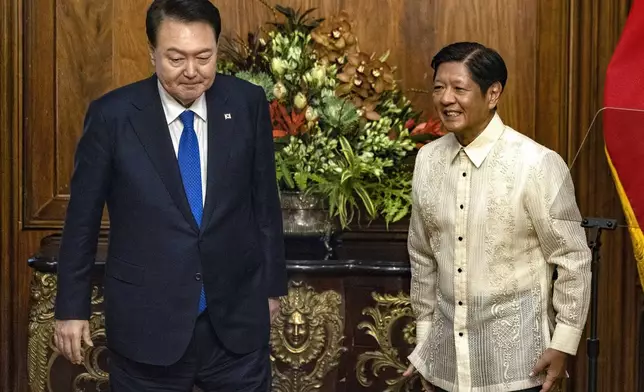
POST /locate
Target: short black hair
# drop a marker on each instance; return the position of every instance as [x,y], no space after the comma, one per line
[181,10]
[486,65]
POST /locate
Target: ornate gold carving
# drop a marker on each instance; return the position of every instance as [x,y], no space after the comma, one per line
[43,354]
[306,338]
[95,376]
[41,326]
[389,313]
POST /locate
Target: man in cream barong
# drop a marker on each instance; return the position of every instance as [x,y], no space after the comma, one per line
[484,243]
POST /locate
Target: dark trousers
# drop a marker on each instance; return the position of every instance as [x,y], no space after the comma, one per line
[535,389]
[206,364]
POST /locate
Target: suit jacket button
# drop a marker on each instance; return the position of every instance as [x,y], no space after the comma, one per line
[197,276]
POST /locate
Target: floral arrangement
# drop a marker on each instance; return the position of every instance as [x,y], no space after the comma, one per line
[342,128]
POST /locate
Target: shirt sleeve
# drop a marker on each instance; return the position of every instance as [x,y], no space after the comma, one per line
[423,264]
[557,221]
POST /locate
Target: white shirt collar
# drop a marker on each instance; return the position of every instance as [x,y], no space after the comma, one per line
[173,109]
[480,147]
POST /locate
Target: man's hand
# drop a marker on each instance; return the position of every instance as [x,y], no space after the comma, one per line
[273,307]
[427,387]
[67,338]
[554,363]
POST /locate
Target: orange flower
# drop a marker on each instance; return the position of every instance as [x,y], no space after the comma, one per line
[432,127]
[278,133]
[285,124]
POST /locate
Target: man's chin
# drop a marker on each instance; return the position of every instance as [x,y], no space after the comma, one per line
[188,99]
[452,129]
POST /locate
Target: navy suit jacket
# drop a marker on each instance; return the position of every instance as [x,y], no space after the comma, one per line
[158,258]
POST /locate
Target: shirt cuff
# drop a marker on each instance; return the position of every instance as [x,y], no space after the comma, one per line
[566,339]
[422,331]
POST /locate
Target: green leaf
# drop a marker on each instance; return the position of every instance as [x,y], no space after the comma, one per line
[286,174]
[317,179]
[401,214]
[346,149]
[368,203]
[301,179]
[346,175]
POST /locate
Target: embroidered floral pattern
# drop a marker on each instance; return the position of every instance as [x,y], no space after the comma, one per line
[489,227]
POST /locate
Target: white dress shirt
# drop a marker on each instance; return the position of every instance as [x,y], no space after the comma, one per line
[172,110]
[483,244]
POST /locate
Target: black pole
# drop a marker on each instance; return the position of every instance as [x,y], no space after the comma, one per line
[596,225]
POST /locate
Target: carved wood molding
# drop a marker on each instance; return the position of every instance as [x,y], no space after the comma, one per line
[10,119]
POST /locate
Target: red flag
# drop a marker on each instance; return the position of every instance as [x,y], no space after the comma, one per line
[624,130]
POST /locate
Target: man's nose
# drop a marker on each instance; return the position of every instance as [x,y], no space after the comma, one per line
[191,69]
[447,97]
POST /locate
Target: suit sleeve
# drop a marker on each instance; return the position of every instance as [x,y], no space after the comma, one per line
[266,203]
[88,191]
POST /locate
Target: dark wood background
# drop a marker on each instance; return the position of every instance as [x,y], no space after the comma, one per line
[57,55]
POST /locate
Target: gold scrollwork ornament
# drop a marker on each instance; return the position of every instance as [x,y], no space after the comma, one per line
[94,376]
[41,327]
[389,313]
[306,338]
[42,353]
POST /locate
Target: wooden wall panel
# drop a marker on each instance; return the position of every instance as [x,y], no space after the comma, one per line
[131,60]
[551,75]
[83,70]
[39,108]
[57,55]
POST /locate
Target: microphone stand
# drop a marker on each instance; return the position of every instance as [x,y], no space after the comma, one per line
[596,225]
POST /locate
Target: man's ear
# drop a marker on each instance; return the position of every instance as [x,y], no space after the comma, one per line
[151,54]
[494,95]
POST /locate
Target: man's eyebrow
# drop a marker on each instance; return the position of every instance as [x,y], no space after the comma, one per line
[173,49]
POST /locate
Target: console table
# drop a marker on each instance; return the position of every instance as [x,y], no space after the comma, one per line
[346,324]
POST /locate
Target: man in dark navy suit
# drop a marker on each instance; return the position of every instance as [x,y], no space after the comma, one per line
[184,161]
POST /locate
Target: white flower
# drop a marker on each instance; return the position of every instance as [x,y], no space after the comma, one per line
[300,101]
[311,114]
[319,74]
[278,66]
[279,90]
[294,52]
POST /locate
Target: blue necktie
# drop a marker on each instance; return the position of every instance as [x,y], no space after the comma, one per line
[190,167]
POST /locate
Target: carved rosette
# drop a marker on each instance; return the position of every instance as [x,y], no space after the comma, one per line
[42,353]
[391,318]
[306,338]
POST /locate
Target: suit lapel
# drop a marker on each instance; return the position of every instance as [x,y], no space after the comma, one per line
[152,130]
[221,120]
